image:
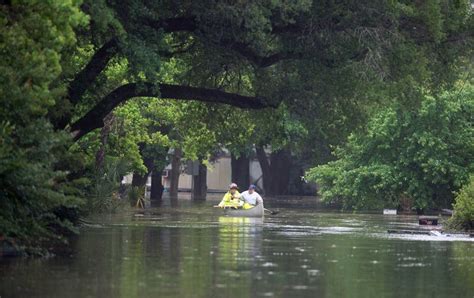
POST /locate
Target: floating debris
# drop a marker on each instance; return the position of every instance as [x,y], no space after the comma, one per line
[390,211]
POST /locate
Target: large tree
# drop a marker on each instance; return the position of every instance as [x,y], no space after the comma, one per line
[254,36]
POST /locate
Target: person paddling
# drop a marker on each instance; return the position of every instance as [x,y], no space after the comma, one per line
[251,198]
[231,198]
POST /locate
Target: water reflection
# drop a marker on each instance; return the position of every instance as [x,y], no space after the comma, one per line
[202,254]
[239,248]
[240,240]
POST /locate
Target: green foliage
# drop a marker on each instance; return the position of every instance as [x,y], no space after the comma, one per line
[424,155]
[347,53]
[34,188]
[103,195]
[136,193]
[227,127]
[279,128]
[463,216]
[33,34]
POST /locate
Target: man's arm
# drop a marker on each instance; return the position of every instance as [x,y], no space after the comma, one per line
[243,196]
[259,199]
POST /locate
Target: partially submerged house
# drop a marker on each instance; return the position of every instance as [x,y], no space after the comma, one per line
[219,175]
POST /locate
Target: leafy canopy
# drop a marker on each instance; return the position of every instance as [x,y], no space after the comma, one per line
[422,155]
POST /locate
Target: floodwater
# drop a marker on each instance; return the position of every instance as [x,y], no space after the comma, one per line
[193,251]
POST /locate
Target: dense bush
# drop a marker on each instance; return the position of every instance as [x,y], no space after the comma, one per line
[34,190]
[463,216]
[420,156]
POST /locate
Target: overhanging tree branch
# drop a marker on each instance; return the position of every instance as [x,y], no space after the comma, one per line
[94,118]
[88,74]
[188,24]
[101,58]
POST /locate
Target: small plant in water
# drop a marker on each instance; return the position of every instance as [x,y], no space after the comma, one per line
[136,194]
[104,195]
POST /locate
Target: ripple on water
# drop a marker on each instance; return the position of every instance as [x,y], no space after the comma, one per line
[312,272]
[409,265]
[303,231]
[269,264]
[299,287]
[411,237]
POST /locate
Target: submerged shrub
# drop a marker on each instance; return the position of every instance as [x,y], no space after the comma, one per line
[103,196]
[419,156]
[136,193]
[463,217]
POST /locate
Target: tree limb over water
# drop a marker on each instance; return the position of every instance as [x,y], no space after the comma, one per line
[94,118]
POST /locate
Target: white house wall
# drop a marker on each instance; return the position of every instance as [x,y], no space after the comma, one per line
[219,176]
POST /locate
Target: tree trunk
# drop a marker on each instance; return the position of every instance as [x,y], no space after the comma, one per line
[266,172]
[156,192]
[104,136]
[276,172]
[139,179]
[157,188]
[199,191]
[174,173]
[240,170]
[280,163]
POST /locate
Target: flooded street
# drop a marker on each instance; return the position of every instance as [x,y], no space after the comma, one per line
[192,251]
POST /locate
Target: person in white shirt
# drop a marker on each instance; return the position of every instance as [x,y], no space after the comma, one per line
[250,197]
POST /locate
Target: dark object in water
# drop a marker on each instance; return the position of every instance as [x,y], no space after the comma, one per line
[8,249]
[428,220]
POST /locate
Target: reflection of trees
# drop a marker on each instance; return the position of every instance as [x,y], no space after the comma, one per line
[462,255]
[97,262]
[182,261]
[166,260]
[202,260]
[359,267]
[131,267]
[195,276]
[131,261]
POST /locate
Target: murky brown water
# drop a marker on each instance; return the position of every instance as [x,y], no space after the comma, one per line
[192,251]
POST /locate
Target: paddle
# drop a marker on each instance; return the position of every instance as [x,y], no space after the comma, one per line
[271,212]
